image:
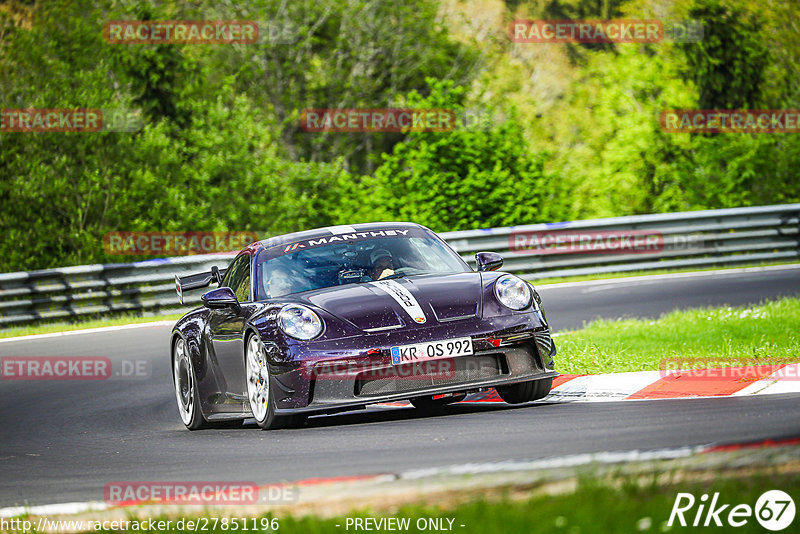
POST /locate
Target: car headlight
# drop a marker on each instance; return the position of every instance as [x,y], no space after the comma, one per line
[513,292]
[299,322]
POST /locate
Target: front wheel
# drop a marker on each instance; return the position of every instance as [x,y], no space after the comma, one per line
[259,392]
[525,391]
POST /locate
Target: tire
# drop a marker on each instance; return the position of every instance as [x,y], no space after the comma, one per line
[429,404]
[185,382]
[259,392]
[525,391]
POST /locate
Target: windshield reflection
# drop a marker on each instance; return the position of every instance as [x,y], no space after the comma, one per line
[353,262]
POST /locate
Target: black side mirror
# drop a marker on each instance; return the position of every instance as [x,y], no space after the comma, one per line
[222,297]
[488,261]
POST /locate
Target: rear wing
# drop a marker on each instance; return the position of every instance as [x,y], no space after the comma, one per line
[197,281]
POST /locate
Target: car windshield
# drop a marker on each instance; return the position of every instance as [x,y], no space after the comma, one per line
[332,261]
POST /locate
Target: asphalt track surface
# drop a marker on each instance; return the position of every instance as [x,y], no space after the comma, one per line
[63,441]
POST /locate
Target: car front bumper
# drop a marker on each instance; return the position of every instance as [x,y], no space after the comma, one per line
[333,376]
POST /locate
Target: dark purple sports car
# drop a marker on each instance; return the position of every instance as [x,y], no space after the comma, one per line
[337,318]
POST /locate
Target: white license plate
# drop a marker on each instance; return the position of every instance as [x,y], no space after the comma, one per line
[435,350]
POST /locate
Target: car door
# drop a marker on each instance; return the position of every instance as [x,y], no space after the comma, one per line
[225,330]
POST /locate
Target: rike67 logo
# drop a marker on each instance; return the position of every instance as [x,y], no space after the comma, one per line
[774,510]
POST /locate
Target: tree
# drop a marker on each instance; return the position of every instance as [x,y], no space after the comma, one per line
[463,178]
[341,54]
[728,65]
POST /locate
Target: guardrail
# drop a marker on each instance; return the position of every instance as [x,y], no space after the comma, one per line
[618,244]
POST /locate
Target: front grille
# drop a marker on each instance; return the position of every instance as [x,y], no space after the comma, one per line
[407,378]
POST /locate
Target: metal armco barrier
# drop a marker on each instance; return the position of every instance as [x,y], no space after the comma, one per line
[146,286]
[636,243]
[686,240]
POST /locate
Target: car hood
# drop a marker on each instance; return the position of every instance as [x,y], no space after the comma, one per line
[402,302]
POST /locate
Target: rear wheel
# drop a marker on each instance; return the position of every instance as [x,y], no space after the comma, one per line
[431,404]
[525,391]
[185,383]
[259,392]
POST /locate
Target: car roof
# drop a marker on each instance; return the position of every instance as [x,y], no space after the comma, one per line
[331,230]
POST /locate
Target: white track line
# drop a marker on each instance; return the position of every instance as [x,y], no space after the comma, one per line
[88,331]
[551,463]
[655,277]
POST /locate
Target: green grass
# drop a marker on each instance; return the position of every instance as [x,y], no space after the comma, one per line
[715,337]
[630,274]
[617,506]
[592,508]
[29,330]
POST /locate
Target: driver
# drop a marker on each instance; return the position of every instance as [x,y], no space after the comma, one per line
[382,264]
[278,283]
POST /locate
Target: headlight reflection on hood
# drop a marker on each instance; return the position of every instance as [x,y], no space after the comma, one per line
[299,322]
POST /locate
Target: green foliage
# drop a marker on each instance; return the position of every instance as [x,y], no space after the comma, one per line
[731,170]
[467,178]
[608,145]
[568,131]
[333,54]
[618,159]
[201,162]
[729,63]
